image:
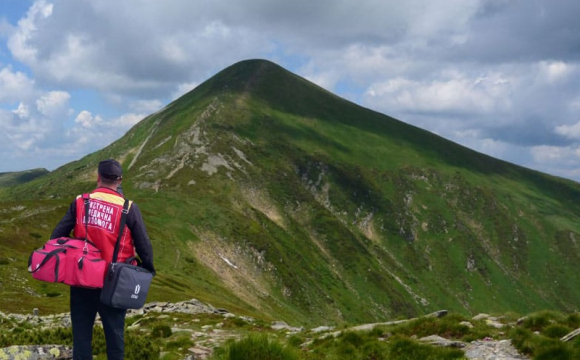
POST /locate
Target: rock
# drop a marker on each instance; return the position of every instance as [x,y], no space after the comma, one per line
[281,325]
[492,350]
[467,323]
[440,341]
[36,352]
[494,323]
[200,352]
[571,335]
[480,317]
[322,329]
[489,320]
[248,319]
[438,314]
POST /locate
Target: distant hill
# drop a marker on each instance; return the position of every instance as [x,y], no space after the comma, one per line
[20,177]
[266,194]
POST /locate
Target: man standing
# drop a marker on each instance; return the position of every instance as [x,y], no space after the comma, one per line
[105,205]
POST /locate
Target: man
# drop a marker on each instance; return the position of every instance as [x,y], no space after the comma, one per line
[105,207]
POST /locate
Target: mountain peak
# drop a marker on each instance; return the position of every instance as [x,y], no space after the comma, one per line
[284,199]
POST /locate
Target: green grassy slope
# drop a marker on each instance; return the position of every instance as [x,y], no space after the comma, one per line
[267,195]
[19,177]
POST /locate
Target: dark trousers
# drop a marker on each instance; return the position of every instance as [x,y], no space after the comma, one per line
[84,306]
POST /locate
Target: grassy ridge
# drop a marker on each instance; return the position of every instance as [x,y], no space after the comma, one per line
[267,195]
[19,177]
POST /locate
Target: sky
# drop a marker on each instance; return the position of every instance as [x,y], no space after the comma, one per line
[501,77]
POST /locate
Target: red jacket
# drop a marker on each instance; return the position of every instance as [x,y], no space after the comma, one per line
[105,210]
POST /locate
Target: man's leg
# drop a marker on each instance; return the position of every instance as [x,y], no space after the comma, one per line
[114,326]
[83,311]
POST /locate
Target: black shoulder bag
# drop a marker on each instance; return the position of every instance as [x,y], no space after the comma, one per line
[126,285]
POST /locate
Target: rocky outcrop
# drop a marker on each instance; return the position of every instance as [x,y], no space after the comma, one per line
[492,350]
[210,336]
[36,352]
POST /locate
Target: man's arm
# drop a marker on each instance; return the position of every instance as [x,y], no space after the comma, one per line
[67,223]
[140,238]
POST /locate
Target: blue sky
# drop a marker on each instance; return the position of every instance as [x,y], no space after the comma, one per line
[499,76]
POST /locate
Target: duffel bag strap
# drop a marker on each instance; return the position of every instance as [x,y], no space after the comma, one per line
[48,256]
[86,198]
[121,229]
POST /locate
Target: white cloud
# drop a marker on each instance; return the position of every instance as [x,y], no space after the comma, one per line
[554,71]
[498,76]
[569,131]
[54,104]
[23,112]
[452,92]
[14,86]
[19,42]
[86,120]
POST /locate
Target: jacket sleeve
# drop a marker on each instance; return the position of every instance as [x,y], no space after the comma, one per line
[140,238]
[67,223]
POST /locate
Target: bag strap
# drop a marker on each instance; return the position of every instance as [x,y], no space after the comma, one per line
[47,257]
[124,213]
[86,198]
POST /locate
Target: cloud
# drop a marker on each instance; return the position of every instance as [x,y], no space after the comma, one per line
[14,86]
[54,104]
[569,131]
[498,76]
[19,42]
[86,120]
[88,44]
[452,92]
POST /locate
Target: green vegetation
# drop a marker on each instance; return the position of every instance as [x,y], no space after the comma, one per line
[540,332]
[158,336]
[20,177]
[137,347]
[268,196]
[258,347]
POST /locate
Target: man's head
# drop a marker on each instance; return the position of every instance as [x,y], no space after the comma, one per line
[110,173]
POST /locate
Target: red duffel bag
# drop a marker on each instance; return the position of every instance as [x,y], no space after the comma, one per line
[75,262]
[48,262]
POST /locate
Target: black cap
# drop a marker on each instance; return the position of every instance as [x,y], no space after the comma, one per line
[110,169]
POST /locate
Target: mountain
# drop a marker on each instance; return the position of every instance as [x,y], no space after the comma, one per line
[267,195]
[19,177]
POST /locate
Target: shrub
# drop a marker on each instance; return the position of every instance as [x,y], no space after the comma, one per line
[523,340]
[405,349]
[139,347]
[295,341]
[180,342]
[556,331]
[235,323]
[255,347]
[352,337]
[573,320]
[539,320]
[447,327]
[161,331]
[553,349]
